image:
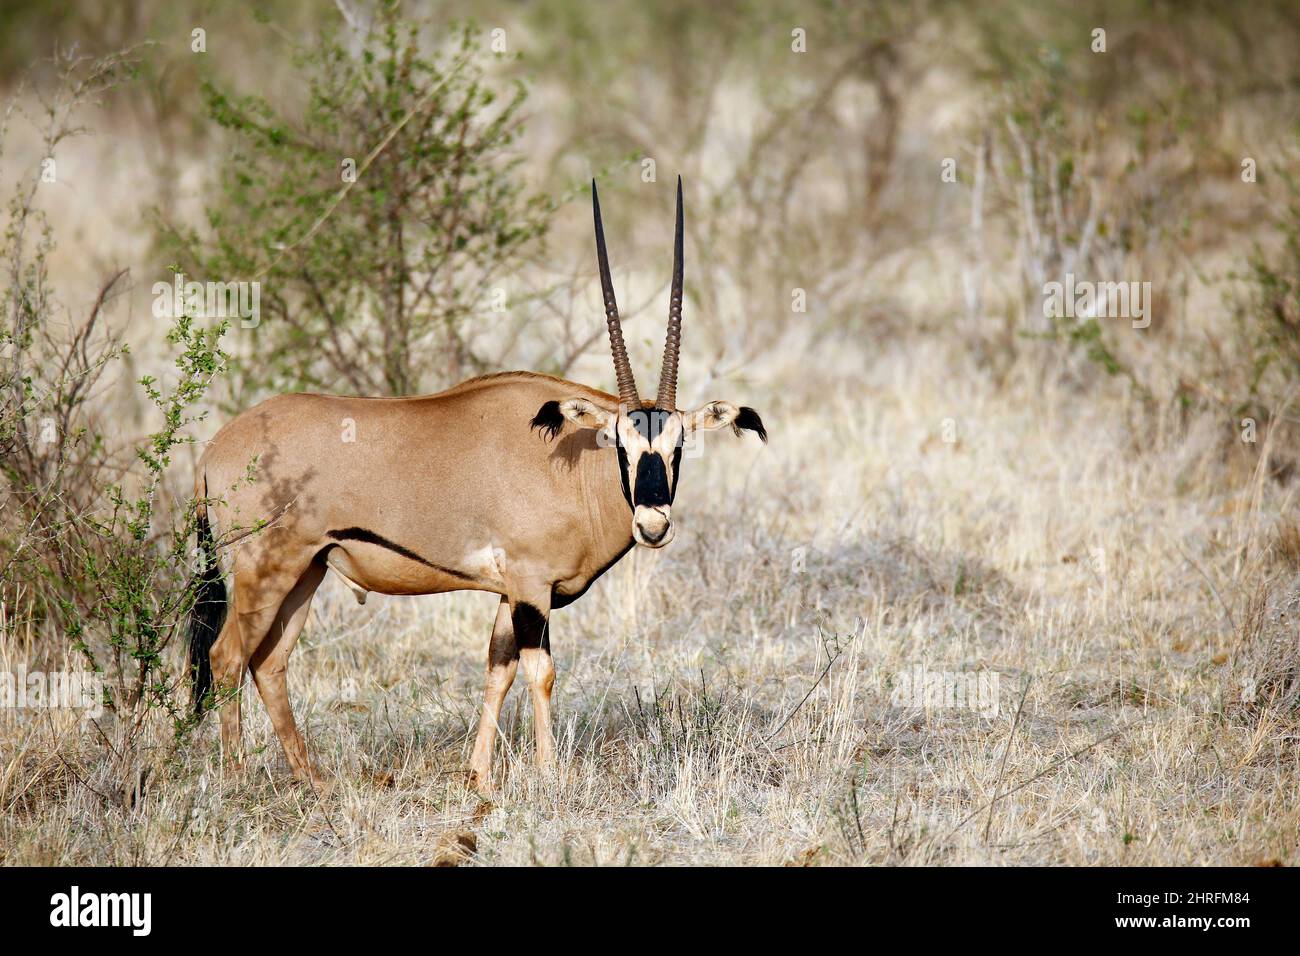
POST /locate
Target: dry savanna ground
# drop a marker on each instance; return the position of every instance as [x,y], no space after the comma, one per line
[742,697]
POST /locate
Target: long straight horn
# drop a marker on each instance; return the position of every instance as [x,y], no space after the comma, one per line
[622,367]
[667,399]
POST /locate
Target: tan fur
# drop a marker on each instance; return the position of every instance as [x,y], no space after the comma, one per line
[455,478]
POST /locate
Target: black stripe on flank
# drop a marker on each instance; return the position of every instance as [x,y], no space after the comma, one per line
[369,537]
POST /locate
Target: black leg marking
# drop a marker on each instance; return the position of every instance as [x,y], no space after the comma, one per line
[530,627]
[503,650]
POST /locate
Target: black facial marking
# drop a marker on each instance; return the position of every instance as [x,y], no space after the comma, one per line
[652,481]
[649,422]
[622,471]
[549,420]
[369,537]
[530,627]
[677,471]
[748,418]
[652,486]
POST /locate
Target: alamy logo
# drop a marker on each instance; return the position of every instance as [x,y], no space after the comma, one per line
[103,909]
[1090,300]
[947,690]
[55,690]
[209,300]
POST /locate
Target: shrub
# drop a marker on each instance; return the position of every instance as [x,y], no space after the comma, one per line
[93,550]
[1267,314]
[369,285]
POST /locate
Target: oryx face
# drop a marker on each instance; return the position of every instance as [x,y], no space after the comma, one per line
[649,436]
[649,442]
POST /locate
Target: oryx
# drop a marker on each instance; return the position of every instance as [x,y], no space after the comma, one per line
[481,487]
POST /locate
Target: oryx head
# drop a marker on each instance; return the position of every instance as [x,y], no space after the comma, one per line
[649,436]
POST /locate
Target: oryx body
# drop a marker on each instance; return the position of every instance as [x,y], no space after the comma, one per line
[480,487]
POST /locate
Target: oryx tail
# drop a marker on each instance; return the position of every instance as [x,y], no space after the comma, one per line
[208,613]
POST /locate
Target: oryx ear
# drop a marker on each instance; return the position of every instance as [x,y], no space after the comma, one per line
[717,414]
[587,414]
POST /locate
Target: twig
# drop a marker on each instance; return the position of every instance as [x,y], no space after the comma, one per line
[81,780]
[365,164]
[1227,612]
[831,663]
[1042,773]
[1015,722]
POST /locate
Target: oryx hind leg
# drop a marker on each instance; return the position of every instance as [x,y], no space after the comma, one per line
[231,652]
[270,666]
[257,592]
[229,661]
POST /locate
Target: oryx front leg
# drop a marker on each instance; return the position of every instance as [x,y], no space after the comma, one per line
[270,665]
[503,661]
[532,636]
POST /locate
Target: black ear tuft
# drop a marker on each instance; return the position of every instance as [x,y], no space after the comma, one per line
[748,418]
[549,420]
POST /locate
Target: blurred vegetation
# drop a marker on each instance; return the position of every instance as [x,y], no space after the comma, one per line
[377,217]
[818,166]
[1266,312]
[93,546]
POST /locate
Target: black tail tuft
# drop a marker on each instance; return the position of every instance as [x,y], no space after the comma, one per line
[207,615]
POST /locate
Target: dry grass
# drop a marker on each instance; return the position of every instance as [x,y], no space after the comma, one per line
[730,701]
